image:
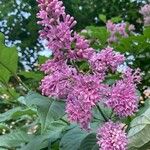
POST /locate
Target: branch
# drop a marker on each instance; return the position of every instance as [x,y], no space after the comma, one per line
[15,76]
[64,121]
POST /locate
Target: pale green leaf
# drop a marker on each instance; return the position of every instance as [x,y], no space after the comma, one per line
[48,109]
[139,133]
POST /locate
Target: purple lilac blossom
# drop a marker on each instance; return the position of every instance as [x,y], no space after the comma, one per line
[56,25]
[82,49]
[53,65]
[86,93]
[145,11]
[104,60]
[58,31]
[115,30]
[112,137]
[83,90]
[123,97]
[59,83]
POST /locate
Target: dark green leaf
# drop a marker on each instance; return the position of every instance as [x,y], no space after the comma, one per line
[32,75]
[8,61]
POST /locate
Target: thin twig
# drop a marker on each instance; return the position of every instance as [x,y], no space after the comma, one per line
[16,77]
[22,83]
[64,121]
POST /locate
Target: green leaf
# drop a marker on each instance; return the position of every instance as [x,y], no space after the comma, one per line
[107,112]
[112,78]
[72,139]
[116,19]
[98,33]
[144,108]
[4,126]
[14,139]
[42,59]
[2,38]
[89,142]
[42,141]
[15,113]
[139,134]
[96,147]
[83,65]
[37,143]
[8,61]
[102,17]
[32,75]
[147,32]
[48,109]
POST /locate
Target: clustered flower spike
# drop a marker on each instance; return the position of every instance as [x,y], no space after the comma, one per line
[57,30]
[145,11]
[82,90]
[56,25]
[53,65]
[112,137]
[123,96]
[106,59]
[82,49]
[59,83]
[123,99]
[86,93]
[118,29]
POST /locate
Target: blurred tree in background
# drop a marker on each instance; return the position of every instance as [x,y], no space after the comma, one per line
[18,21]
[87,12]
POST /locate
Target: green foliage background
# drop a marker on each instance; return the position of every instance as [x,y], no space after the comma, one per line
[29,121]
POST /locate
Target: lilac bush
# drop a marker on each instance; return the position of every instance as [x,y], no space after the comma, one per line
[83,90]
[145,11]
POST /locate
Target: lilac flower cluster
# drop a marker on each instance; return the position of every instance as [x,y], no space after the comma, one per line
[57,30]
[112,137]
[115,30]
[119,29]
[145,11]
[123,97]
[106,59]
[84,90]
[56,25]
[59,83]
[86,93]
